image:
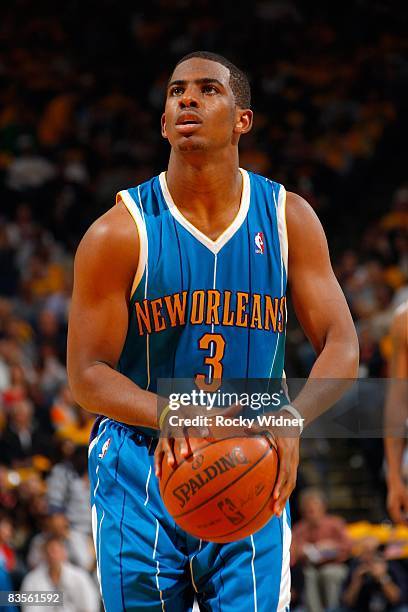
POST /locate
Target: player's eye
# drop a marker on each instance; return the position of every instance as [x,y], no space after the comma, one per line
[209,89]
[176,91]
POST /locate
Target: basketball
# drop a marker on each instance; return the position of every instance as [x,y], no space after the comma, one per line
[222,491]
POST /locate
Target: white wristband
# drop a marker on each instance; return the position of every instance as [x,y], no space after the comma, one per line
[295,413]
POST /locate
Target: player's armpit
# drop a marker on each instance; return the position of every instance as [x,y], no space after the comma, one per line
[105,266]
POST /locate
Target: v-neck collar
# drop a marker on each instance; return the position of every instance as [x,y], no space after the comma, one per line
[213,245]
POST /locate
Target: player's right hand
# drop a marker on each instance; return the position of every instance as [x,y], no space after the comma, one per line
[175,441]
[397,501]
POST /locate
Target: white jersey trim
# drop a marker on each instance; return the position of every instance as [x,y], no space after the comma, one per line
[213,245]
[253,574]
[141,229]
[282,228]
[284,590]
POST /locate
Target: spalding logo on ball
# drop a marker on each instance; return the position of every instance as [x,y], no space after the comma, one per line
[222,492]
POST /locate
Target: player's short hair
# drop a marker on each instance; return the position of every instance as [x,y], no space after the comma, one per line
[238,80]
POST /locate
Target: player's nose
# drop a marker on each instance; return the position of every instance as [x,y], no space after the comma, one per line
[188,100]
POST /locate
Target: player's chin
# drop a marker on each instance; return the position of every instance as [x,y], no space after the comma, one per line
[190,143]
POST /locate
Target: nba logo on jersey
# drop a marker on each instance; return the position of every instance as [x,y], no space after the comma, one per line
[259,243]
[104,448]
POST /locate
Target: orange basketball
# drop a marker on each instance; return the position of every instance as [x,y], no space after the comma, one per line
[222,492]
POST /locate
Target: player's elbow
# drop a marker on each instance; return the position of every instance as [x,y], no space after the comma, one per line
[351,355]
[82,383]
[342,344]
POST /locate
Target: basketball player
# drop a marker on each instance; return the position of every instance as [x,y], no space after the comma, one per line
[186,278]
[396,417]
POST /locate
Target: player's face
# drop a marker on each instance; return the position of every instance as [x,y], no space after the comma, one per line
[200,112]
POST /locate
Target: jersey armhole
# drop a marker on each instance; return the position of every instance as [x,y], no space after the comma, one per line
[282,227]
[134,211]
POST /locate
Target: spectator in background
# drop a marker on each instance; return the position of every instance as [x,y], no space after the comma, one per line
[51,373]
[63,410]
[78,545]
[8,497]
[21,439]
[374,583]
[49,331]
[80,429]
[56,574]
[9,277]
[68,487]
[5,583]
[7,552]
[29,170]
[321,545]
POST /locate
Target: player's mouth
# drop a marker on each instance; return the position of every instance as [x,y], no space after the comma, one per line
[188,122]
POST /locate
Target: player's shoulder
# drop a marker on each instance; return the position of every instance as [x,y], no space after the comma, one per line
[298,211]
[306,237]
[113,228]
[108,254]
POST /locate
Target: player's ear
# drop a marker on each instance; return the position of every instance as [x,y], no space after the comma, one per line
[244,121]
[163,126]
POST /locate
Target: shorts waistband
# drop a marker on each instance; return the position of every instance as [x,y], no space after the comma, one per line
[141,437]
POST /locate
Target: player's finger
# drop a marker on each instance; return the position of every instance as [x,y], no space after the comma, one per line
[158,458]
[284,496]
[281,480]
[168,453]
[171,453]
[184,446]
[199,431]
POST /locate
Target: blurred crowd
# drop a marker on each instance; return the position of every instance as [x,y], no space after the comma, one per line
[81,91]
[360,568]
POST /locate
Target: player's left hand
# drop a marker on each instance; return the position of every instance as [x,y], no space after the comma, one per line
[287,446]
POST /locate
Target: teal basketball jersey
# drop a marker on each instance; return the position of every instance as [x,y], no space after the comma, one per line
[206,309]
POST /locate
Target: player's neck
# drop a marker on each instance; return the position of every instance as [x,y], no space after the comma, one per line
[209,183]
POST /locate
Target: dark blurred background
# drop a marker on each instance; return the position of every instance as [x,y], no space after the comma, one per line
[81,93]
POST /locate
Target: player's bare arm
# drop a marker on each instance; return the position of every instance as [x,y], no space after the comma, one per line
[320,306]
[396,415]
[105,267]
[323,313]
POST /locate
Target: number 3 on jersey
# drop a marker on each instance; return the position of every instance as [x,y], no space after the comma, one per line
[216,344]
